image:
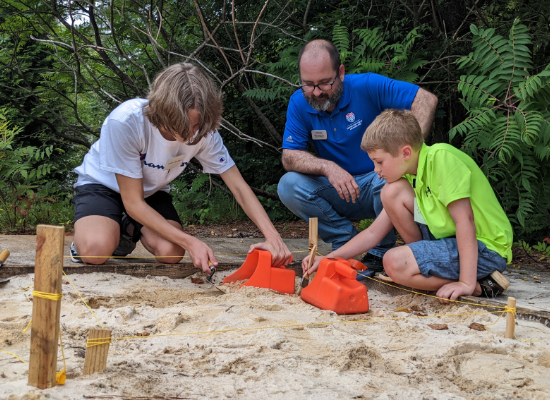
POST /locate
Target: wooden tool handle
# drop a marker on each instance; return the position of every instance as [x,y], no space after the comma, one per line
[311,258]
[4,256]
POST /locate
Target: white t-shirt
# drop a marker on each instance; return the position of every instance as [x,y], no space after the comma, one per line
[130,145]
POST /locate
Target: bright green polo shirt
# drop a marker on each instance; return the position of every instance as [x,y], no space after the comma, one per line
[446,174]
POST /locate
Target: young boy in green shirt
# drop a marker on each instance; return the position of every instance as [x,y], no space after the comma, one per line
[438,199]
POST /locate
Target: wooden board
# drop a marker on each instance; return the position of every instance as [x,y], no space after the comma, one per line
[45,313]
[174,271]
[96,356]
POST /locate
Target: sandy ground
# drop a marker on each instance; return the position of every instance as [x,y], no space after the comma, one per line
[386,359]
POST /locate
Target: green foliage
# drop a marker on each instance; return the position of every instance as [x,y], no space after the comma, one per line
[543,248]
[23,171]
[364,224]
[507,130]
[375,54]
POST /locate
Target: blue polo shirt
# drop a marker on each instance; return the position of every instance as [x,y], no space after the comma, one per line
[365,96]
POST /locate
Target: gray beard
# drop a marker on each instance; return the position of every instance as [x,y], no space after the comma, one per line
[329,101]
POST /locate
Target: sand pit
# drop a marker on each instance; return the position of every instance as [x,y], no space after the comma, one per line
[385,359]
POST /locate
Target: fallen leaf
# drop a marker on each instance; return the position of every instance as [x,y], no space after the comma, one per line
[197,281]
[143,334]
[407,310]
[212,232]
[537,281]
[536,277]
[524,279]
[415,308]
[234,229]
[439,327]
[477,327]
[419,314]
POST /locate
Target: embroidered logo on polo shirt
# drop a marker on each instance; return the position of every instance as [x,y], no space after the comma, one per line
[289,139]
[222,159]
[350,117]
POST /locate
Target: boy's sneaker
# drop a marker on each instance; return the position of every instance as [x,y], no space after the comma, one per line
[493,285]
[74,255]
[374,265]
[126,244]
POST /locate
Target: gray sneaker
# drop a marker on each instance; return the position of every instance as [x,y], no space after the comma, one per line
[74,255]
[125,245]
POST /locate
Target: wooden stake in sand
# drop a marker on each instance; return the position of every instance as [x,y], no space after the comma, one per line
[96,356]
[510,319]
[313,232]
[313,235]
[45,312]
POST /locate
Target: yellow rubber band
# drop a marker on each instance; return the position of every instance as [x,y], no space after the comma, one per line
[47,296]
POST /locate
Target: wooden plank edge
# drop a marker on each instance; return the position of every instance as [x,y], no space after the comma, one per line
[141,270]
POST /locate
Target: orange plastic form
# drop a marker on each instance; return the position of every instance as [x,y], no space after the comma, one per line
[335,288]
[257,269]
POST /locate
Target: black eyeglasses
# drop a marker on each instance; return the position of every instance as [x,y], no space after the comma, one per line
[322,86]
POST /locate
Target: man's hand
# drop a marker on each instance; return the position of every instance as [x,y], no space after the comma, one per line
[314,266]
[280,254]
[453,291]
[343,182]
[200,254]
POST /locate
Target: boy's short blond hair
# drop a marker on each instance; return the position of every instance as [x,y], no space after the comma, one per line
[178,89]
[391,130]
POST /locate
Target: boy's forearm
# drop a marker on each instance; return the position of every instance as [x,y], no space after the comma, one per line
[467,251]
[367,239]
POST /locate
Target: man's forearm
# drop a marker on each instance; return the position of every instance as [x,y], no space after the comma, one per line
[305,162]
[423,108]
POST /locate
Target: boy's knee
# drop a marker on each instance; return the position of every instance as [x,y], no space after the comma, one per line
[390,263]
[391,191]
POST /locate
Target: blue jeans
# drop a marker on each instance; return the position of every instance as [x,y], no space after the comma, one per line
[310,196]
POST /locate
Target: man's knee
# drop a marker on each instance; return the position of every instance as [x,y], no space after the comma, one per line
[286,189]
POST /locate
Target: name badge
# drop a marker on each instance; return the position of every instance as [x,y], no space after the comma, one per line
[418,214]
[174,162]
[319,135]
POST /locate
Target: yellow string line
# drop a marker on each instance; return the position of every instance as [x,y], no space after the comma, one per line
[100,341]
[28,326]
[220,255]
[15,355]
[432,296]
[82,298]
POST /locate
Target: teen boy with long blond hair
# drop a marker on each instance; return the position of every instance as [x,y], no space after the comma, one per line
[442,205]
[122,191]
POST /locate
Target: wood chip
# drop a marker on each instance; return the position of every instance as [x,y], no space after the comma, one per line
[477,327]
[197,281]
[143,334]
[439,327]
[415,308]
[407,310]
[419,314]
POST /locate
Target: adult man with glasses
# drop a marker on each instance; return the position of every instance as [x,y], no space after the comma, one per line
[332,111]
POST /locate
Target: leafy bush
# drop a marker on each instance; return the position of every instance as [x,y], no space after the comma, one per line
[23,171]
[507,130]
